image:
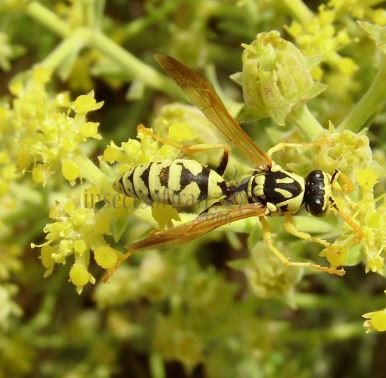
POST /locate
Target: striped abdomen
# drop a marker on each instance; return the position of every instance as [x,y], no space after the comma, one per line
[179,183]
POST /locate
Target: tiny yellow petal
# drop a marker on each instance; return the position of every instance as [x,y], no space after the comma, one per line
[366,178]
[105,256]
[378,321]
[335,255]
[111,153]
[46,256]
[375,321]
[164,214]
[79,275]
[70,170]
[132,148]
[86,103]
[168,152]
[90,130]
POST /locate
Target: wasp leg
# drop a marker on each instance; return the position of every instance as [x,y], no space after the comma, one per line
[348,220]
[220,169]
[291,229]
[215,205]
[347,185]
[283,145]
[267,237]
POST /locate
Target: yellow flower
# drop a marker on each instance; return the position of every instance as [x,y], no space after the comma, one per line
[86,103]
[70,171]
[78,232]
[105,256]
[47,135]
[375,321]
[319,37]
[345,150]
[336,255]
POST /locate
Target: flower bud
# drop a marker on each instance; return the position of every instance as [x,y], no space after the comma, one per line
[276,78]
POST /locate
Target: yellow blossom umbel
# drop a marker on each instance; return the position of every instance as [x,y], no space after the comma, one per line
[78,231]
[48,131]
[320,37]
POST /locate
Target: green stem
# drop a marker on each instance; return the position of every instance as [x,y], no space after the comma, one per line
[369,104]
[156,366]
[299,10]
[65,49]
[339,332]
[155,15]
[306,122]
[48,19]
[356,304]
[133,66]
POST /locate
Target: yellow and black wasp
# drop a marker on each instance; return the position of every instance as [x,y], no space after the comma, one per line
[268,190]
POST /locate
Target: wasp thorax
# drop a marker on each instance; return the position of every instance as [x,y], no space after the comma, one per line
[317,192]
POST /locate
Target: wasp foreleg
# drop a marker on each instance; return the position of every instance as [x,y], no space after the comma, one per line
[283,145]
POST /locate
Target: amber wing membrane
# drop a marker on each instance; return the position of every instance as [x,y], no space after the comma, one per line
[190,230]
[202,94]
[199,226]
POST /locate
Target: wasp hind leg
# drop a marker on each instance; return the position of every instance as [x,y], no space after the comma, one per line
[267,237]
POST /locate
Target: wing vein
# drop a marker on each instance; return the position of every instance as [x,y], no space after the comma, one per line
[201,94]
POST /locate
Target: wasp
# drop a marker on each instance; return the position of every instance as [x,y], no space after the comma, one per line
[269,190]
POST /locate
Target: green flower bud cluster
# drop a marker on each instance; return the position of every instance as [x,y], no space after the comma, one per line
[276,79]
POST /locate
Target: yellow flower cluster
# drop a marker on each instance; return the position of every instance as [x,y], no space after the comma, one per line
[372,218]
[78,231]
[134,152]
[268,277]
[320,37]
[343,150]
[48,132]
[350,153]
[360,9]
[174,124]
